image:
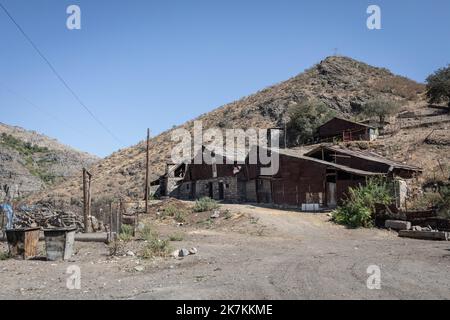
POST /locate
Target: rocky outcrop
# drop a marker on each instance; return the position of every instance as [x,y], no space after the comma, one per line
[30,162]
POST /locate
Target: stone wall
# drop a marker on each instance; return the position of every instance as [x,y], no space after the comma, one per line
[230,189]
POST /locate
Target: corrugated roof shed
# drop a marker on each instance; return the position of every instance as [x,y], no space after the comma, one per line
[368,155]
[297,154]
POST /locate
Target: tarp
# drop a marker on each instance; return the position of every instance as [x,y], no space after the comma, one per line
[8,210]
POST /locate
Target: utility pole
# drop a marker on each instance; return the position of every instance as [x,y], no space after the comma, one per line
[147,165]
[86,198]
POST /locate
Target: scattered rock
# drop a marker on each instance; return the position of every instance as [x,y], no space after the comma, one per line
[193,250]
[130,253]
[183,252]
[215,214]
[176,254]
[139,268]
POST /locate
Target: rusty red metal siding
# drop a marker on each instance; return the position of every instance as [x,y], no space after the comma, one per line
[295,178]
[336,127]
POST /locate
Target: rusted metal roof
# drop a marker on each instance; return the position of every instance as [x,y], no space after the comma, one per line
[367,155]
[297,154]
[349,121]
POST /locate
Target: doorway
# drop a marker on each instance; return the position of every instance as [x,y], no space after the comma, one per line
[210,190]
[221,191]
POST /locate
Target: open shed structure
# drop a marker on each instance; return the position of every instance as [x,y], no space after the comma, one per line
[346,130]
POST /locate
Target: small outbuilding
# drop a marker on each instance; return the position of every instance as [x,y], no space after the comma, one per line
[346,130]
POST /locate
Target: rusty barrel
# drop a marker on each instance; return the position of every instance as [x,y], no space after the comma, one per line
[23,242]
[59,243]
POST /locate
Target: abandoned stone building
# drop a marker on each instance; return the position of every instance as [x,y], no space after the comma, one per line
[318,179]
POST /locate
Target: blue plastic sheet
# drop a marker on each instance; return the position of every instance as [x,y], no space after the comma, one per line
[8,210]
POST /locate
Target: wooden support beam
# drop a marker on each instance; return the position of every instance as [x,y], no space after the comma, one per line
[86,199]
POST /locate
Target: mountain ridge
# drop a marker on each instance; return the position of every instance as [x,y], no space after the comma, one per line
[341,83]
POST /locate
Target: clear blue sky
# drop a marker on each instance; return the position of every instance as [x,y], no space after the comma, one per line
[139,64]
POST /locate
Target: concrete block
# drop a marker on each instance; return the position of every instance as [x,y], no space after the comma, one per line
[397,224]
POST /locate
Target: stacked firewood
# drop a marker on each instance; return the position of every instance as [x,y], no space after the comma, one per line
[46,217]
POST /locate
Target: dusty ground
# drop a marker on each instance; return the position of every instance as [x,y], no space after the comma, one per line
[257,254]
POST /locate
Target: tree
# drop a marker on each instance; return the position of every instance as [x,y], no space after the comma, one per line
[438,86]
[380,108]
[304,119]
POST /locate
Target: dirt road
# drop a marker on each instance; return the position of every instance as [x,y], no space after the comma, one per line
[274,255]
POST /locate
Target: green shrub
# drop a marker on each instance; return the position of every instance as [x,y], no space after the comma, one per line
[304,119]
[358,208]
[170,211]
[227,214]
[443,202]
[205,204]
[4,256]
[179,216]
[176,237]
[126,232]
[146,232]
[156,247]
[438,86]
[379,108]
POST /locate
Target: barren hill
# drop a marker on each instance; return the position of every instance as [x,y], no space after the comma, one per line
[341,83]
[31,161]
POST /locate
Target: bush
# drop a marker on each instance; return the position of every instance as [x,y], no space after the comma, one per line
[170,210]
[177,214]
[4,256]
[443,203]
[176,237]
[304,119]
[205,204]
[379,108]
[146,232]
[156,248]
[438,86]
[126,232]
[358,208]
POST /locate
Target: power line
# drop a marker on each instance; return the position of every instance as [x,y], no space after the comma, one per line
[58,75]
[50,115]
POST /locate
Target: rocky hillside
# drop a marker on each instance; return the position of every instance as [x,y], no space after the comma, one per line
[341,83]
[31,162]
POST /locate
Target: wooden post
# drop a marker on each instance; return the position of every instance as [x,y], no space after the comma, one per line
[118,219]
[110,221]
[147,164]
[120,215]
[86,198]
